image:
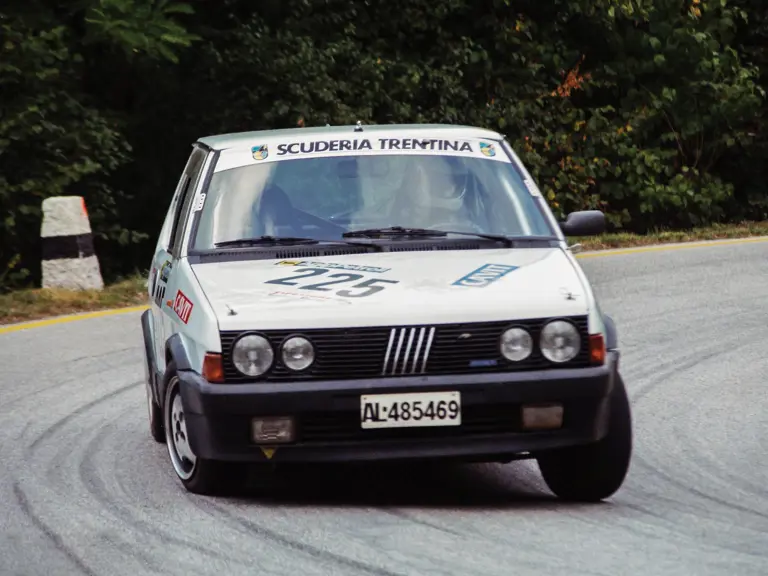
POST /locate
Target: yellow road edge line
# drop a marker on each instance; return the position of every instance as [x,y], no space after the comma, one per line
[591,254]
[70,318]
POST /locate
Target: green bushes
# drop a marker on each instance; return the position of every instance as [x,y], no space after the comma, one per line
[652,110]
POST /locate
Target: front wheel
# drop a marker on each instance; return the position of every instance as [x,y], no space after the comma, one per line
[156,429]
[595,471]
[155,418]
[198,475]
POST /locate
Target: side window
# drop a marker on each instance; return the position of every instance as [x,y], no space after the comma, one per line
[164,238]
[165,233]
[191,176]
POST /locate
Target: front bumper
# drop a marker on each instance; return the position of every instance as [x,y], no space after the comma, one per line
[327,416]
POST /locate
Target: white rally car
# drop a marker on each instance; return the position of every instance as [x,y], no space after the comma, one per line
[387,292]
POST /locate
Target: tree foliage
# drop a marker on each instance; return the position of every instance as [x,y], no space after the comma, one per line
[651,110]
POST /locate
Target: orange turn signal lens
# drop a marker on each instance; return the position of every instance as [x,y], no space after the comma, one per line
[213,368]
[596,349]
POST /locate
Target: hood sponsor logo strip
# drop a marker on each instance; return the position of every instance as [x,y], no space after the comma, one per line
[402,341]
[486,274]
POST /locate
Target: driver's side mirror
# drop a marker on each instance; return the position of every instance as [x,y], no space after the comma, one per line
[584,223]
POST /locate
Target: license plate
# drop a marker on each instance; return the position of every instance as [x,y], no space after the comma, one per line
[410,410]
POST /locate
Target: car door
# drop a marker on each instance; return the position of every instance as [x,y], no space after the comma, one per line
[167,251]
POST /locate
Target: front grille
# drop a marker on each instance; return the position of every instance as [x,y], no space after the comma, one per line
[349,353]
[408,350]
[344,426]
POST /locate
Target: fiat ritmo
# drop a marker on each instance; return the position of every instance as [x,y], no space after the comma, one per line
[392,292]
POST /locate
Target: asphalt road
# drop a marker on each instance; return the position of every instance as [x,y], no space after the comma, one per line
[84,490]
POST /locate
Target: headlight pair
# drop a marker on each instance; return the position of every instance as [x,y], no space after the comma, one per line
[253,355]
[559,342]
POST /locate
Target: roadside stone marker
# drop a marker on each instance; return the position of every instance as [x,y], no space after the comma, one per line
[69,260]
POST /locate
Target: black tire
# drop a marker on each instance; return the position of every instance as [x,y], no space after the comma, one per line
[156,429]
[201,476]
[596,471]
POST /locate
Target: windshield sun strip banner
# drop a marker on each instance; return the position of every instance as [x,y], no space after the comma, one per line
[274,150]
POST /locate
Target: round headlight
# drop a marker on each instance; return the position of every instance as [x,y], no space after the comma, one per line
[252,355]
[516,344]
[560,341]
[298,353]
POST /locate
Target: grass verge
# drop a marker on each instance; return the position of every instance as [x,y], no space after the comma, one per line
[717,232]
[42,303]
[24,305]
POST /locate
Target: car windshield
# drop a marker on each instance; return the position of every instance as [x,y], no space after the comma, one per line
[324,197]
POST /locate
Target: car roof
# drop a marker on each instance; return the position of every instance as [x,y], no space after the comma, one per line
[234,140]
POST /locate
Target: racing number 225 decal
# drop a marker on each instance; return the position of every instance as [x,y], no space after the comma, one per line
[359,290]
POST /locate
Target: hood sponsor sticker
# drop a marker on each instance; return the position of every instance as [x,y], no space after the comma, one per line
[485,275]
[332,265]
[355,285]
[182,306]
[309,297]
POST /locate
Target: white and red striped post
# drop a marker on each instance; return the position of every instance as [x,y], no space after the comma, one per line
[69,260]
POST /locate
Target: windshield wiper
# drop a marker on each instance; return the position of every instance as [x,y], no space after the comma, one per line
[509,241]
[393,231]
[290,241]
[269,240]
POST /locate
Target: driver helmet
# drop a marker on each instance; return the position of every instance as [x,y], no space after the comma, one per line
[376,179]
[445,180]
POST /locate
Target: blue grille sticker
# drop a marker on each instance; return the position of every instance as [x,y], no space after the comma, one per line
[482,363]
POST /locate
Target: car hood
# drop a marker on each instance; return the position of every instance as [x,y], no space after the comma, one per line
[423,287]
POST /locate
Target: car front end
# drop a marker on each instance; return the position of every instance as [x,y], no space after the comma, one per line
[485,390]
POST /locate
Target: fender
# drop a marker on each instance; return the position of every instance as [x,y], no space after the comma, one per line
[612,346]
[176,351]
[611,336]
[149,353]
